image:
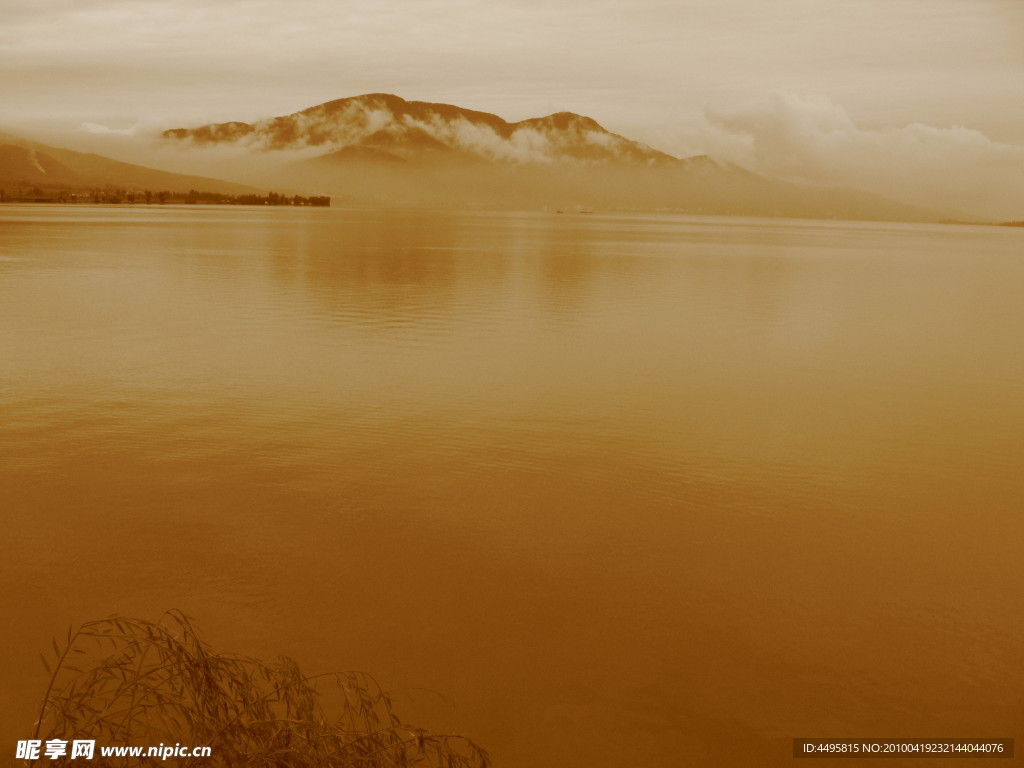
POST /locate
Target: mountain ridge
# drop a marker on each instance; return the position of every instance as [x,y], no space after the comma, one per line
[373,119]
[382,150]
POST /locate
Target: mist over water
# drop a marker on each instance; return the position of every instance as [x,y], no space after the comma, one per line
[627,490]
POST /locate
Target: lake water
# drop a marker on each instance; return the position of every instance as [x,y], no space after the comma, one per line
[627,490]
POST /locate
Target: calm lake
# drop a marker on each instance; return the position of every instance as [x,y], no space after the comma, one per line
[626,490]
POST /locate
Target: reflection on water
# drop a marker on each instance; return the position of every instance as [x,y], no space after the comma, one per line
[627,489]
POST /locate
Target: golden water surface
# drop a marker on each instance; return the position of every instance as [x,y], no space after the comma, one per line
[628,491]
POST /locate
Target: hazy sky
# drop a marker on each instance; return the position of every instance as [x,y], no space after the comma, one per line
[684,75]
[636,63]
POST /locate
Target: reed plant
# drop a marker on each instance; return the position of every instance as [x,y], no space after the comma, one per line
[124,681]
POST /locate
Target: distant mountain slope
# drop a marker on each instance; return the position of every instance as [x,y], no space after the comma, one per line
[695,186]
[30,164]
[380,149]
[25,166]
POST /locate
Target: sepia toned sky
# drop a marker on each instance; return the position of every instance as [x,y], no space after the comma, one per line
[941,62]
[686,76]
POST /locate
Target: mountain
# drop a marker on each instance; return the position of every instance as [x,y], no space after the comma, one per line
[387,125]
[381,149]
[27,164]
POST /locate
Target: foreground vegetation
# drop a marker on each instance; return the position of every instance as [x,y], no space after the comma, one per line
[127,681]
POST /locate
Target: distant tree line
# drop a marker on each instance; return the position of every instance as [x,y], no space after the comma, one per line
[273,198]
[116,195]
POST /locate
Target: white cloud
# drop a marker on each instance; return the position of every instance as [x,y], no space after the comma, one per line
[96,128]
[812,139]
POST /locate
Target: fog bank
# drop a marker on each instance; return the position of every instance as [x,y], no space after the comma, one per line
[812,139]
